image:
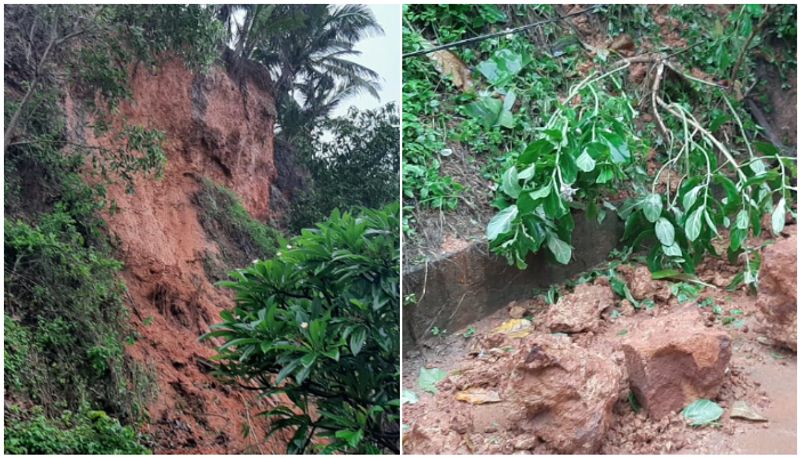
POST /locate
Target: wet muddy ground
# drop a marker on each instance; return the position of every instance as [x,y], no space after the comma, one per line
[760,373]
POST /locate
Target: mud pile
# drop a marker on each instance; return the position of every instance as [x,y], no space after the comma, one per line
[593,374]
[221,128]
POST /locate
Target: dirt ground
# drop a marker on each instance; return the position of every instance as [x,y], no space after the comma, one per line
[441,232]
[759,373]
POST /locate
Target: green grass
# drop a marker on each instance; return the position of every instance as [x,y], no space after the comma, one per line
[241,237]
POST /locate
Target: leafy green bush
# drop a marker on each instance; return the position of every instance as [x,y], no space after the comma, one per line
[320,324]
[592,144]
[223,217]
[16,347]
[85,432]
[63,294]
[582,152]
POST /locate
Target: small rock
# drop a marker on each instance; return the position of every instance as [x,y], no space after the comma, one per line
[515,311]
[720,280]
[642,284]
[636,75]
[580,310]
[674,359]
[626,307]
[525,443]
[623,44]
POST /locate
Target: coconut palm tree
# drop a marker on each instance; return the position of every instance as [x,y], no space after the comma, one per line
[307,50]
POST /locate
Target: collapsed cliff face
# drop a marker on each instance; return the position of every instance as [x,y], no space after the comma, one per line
[220,127]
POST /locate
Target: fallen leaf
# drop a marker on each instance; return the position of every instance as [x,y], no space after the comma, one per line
[408,397]
[478,396]
[428,378]
[743,410]
[516,328]
[449,65]
[702,412]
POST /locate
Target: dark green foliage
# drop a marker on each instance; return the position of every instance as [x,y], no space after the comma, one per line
[16,348]
[320,323]
[63,296]
[86,432]
[582,153]
[190,32]
[241,237]
[519,72]
[455,22]
[720,40]
[355,163]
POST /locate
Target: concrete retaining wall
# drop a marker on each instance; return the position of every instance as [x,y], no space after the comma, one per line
[462,287]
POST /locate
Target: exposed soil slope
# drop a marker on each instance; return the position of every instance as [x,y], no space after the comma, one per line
[219,128]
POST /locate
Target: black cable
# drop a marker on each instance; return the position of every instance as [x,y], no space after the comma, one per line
[466,41]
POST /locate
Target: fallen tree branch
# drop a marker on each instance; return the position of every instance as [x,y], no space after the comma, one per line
[656,115]
[707,134]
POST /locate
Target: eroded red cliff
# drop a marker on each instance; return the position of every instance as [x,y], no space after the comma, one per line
[217,126]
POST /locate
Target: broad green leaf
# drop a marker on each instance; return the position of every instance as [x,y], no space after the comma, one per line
[702,412]
[560,249]
[510,183]
[758,167]
[767,148]
[737,237]
[357,339]
[525,203]
[585,162]
[694,223]
[535,150]
[485,110]
[618,147]
[527,173]
[779,217]
[502,66]
[690,198]
[428,378]
[606,175]
[351,437]
[569,170]
[505,118]
[742,221]
[651,206]
[541,193]
[501,222]
[710,223]
[672,250]
[597,150]
[733,194]
[665,232]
